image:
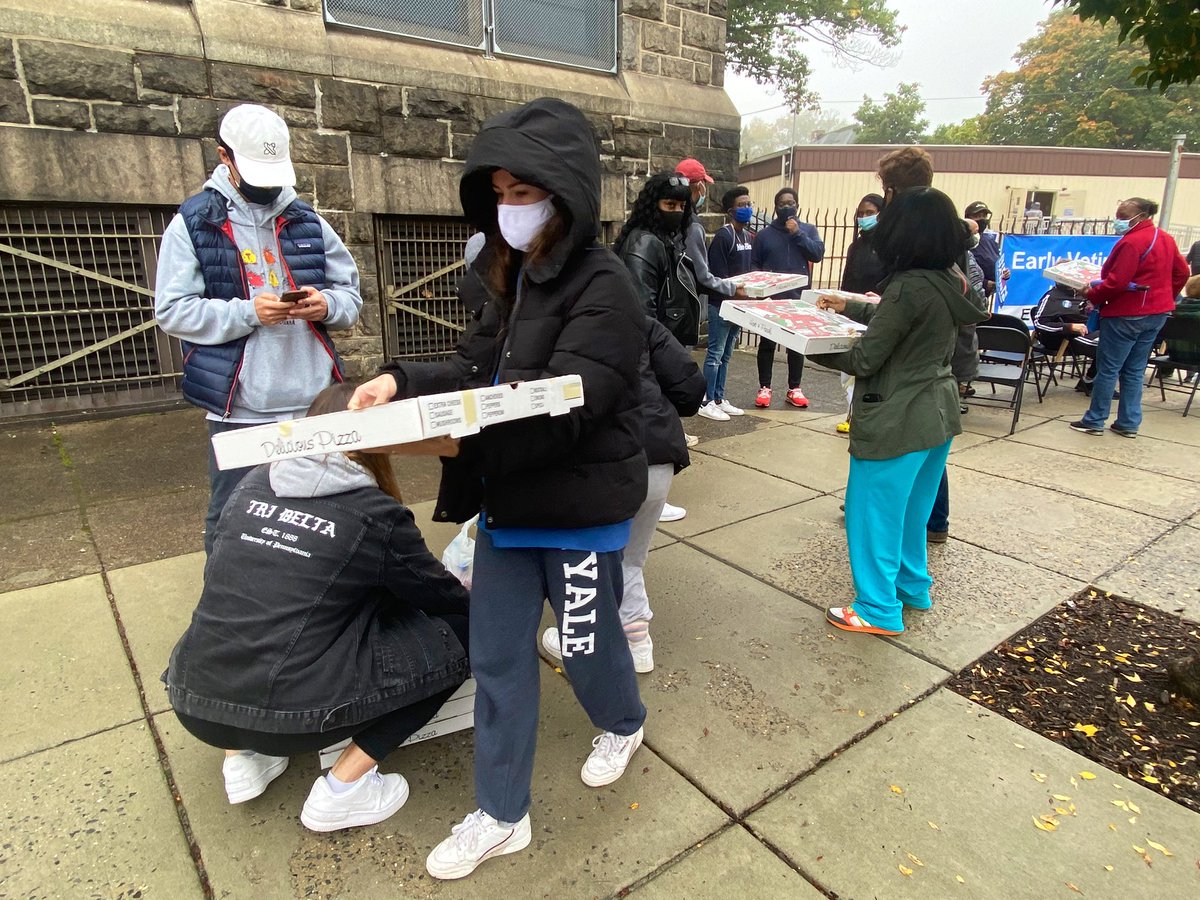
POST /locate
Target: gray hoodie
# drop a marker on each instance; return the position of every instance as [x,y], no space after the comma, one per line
[284,366]
[318,476]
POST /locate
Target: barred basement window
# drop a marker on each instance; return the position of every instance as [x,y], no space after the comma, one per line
[77,325]
[420,266]
[578,33]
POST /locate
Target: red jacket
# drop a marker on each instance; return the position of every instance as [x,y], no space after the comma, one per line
[1162,270]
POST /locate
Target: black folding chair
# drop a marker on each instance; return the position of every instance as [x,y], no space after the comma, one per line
[1005,349]
[1179,332]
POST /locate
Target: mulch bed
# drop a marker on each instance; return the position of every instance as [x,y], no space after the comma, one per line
[1091,675]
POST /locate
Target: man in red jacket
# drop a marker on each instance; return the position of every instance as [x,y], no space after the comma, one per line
[1139,283]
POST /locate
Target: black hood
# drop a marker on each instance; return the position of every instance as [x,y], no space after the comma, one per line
[548,143]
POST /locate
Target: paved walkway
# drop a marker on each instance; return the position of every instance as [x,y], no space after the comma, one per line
[782,758]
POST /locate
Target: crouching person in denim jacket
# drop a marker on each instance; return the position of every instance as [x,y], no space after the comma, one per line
[323,617]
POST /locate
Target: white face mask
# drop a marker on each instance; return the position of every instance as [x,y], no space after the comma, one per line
[520,225]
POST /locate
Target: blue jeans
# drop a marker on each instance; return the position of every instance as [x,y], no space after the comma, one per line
[1122,354]
[939,518]
[221,483]
[722,337]
[888,502]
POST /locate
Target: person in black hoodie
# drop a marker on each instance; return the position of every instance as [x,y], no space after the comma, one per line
[651,244]
[323,617]
[672,386]
[556,495]
[863,271]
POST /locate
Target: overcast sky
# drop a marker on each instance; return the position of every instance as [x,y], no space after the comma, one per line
[949,48]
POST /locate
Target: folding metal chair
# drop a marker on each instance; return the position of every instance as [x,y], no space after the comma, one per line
[1005,350]
[1178,333]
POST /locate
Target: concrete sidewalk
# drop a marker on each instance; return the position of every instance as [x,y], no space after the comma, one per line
[782,758]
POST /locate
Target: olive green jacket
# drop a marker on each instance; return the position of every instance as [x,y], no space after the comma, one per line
[905,397]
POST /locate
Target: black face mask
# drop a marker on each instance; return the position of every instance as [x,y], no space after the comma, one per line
[785,212]
[983,224]
[261,196]
[670,220]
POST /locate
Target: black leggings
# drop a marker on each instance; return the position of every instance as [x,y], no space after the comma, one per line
[766,361]
[375,737]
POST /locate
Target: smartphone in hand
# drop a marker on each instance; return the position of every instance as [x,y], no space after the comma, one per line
[292,296]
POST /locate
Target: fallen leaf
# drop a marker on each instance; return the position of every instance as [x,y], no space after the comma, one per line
[1063,797]
[1108,868]
[896,790]
[1061,811]
[1019,746]
[1137,848]
[934,826]
[1038,777]
[905,871]
[1120,803]
[960,879]
[1150,707]
[1133,807]
[1044,826]
[1159,847]
[1112,827]
[1089,730]
[634,805]
[1086,776]
[1135,677]
[1150,779]
[1072,887]
[922,865]
[861,714]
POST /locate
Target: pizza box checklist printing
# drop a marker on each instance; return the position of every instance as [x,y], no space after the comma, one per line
[767,284]
[1073,273]
[456,714]
[794,324]
[454,414]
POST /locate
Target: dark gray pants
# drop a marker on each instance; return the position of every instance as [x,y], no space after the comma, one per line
[507,592]
[221,483]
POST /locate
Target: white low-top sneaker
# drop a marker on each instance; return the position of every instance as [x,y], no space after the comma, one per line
[642,652]
[248,774]
[730,410]
[476,838]
[609,757]
[373,798]
[710,410]
[671,513]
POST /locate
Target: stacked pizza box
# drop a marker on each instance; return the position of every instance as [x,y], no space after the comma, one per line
[768,284]
[1073,273]
[453,414]
[456,714]
[812,296]
[795,324]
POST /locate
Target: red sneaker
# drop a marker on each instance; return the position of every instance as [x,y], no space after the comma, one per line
[796,398]
[763,400]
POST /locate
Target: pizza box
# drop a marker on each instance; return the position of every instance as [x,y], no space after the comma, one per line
[767,284]
[794,324]
[452,414]
[1073,273]
[810,297]
[456,714]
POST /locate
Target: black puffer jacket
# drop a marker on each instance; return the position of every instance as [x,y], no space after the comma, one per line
[322,607]
[665,282]
[575,312]
[863,272]
[672,386]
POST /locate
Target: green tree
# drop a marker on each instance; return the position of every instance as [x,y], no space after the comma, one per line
[765,39]
[968,131]
[1074,87]
[763,136]
[1168,29]
[897,121]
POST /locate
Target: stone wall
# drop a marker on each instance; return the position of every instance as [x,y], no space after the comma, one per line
[379,124]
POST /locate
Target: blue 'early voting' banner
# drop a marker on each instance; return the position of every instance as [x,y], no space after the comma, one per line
[1026,255]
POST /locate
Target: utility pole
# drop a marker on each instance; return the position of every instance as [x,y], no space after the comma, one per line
[1164,211]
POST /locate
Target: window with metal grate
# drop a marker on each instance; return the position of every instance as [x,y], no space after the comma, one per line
[578,33]
[77,310]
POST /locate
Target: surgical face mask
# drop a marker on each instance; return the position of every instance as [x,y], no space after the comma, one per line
[520,225]
[1120,226]
[260,195]
[743,214]
[700,202]
[866,223]
[973,242]
[670,220]
[785,212]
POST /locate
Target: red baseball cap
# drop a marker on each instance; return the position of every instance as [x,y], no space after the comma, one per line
[692,170]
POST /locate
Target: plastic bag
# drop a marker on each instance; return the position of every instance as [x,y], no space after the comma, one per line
[459,555]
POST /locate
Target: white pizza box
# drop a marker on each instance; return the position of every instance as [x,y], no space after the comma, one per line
[767,284]
[455,414]
[1073,273]
[794,324]
[810,297]
[456,714]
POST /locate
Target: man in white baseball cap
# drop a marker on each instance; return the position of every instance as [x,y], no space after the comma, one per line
[252,280]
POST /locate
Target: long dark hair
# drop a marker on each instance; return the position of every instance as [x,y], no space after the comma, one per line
[645,208]
[336,398]
[920,229]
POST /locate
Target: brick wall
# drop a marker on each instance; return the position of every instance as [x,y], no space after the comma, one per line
[362,146]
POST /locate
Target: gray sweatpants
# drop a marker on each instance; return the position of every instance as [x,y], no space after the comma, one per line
[635,604]
[508,588]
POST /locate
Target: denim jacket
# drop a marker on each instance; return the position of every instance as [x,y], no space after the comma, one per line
[321,607]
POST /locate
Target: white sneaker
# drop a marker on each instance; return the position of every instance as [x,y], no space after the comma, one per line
[476,838]
[710,410]
[690,439]
[729,409]
[609,757]
[671,513]
[373,798]
[248,774]
[643,655]
[642,652]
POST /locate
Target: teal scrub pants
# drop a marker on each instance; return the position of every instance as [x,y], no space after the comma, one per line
[888,502]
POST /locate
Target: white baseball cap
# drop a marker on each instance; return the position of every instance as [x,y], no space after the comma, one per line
[261,145]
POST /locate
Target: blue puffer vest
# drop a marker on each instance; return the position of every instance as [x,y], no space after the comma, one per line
[210,372]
